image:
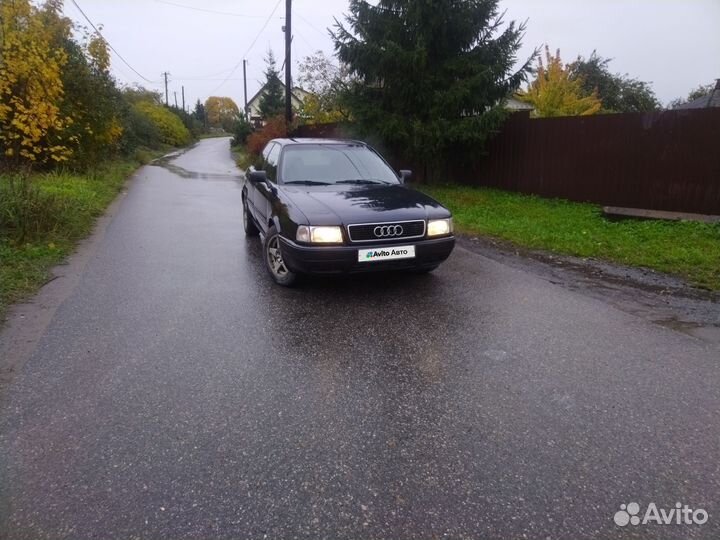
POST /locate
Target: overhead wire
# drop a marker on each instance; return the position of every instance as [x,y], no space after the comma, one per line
[205,10]
[110,45]
[262,29]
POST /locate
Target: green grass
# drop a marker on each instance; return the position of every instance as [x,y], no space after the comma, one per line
[688,249]
[243,159]
[41,221]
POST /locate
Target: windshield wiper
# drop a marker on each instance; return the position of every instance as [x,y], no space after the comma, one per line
[360,181]
[307,183]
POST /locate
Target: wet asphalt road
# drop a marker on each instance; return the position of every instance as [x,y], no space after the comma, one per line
[177,393]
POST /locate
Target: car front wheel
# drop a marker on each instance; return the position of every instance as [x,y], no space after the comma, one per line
[274,261]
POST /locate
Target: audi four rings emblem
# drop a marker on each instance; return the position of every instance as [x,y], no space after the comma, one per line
[388,231]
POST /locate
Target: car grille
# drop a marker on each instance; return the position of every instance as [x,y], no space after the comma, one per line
[383,232]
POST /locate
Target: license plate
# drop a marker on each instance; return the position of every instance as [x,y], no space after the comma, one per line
[389,253]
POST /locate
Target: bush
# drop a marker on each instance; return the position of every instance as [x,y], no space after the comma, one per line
[140,131]
[172,130]
[274,128]
[241,131]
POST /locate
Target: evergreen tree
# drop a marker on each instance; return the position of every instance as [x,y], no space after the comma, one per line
[273,102]
[431,76]
[199,113]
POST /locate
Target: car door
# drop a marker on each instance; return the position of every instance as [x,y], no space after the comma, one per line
[264,192]
[255,200]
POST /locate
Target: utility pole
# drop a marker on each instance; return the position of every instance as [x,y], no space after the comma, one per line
[165,74]
[245,87]
[183,98]
[175,93]
[288,62]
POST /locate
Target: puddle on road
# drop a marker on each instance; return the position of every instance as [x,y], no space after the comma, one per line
[166,163]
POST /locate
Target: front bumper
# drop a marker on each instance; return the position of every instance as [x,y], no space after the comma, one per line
[344,259]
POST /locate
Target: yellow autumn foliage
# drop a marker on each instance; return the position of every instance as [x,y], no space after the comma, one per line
[31,90]
[555,93]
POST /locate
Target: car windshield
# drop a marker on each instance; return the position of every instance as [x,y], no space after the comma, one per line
[334,164]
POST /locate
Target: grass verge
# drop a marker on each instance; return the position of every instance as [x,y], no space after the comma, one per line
[243,159]
[43,217]
[690,250]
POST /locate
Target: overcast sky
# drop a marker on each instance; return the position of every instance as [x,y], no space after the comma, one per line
[674,44]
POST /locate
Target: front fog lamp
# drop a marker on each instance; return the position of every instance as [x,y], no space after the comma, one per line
[439,227]
[319,235]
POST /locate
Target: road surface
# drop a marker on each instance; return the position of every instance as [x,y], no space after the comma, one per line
[177,393]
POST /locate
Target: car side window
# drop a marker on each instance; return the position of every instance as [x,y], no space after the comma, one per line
[266,151]
[271,163]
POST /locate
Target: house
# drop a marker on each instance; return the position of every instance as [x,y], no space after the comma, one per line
[513,104]
[297,98]
[709,100]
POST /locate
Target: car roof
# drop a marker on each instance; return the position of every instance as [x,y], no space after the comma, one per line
[315,140]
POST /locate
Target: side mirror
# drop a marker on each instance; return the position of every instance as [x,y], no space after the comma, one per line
[257,177]
[405,176]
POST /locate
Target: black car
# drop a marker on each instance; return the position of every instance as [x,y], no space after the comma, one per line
[333,206]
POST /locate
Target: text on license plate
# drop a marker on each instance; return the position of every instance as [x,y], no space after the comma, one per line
[386,253]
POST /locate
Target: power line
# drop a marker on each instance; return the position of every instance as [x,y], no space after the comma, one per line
[229,14]
[249,48]
[109,45]
[311,25]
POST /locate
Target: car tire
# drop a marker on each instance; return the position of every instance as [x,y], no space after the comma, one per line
[248,223]
[274,263]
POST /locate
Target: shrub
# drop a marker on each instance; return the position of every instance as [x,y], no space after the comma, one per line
[140,131]
[241,131]
[274,128]
[172,130]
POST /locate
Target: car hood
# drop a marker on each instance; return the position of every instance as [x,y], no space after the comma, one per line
[328,205]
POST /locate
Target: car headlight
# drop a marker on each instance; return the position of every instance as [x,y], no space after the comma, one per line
[439,227]
[319,235]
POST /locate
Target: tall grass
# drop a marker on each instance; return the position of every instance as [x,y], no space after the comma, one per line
[43,215]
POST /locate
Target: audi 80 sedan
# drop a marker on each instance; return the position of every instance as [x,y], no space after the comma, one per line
[335,206]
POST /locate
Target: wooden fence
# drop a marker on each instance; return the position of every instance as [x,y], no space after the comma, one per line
[667,160]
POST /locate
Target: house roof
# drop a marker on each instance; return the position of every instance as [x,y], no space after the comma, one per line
[514,104]
[702,102]
[258,94]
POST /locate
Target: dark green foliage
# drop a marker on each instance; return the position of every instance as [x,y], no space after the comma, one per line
[431,75]
[194,126]
[241,131]
[700,91]
[618,93]
[273,102]
[199,114]
[139,131]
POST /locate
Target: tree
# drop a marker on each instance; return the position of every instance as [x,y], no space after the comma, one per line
[430,76]
[221,112]
[701,91]
[618,93]
[273,101]
[554,92]
[326,81]
[241,131]
[199,113]
[31,91]
[91,97]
